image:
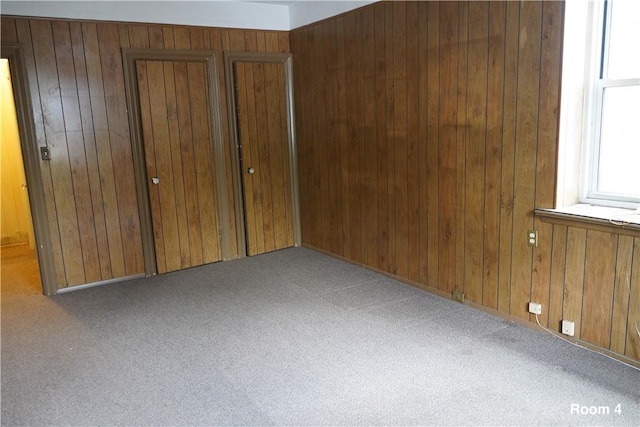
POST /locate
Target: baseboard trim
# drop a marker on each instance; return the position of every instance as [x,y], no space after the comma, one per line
[100,283]
[527,323]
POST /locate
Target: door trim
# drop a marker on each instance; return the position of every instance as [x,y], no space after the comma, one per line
[129,58]
[230,58]
[31,159]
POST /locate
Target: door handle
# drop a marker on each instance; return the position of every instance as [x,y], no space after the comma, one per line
[251,170]
[155,180]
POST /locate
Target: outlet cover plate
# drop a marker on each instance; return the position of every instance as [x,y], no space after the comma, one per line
[568,327]
[457,295]
[535,308]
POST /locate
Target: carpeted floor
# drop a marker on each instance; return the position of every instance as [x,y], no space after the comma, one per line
[292,337]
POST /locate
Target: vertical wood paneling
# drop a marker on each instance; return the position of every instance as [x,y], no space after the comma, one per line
[465,179]
[494,130]
[462,135]
[550,59]
[399,136]
[475,151]
[77,156]
[54,128]
[389,229]
[526,139]
[23,29]
[320,181]
[556,288]
[507,169]
[77,91]
[433,176]
[632,347]
[574,276]
[103,149]
[89,147]
[156,37]
[447,138]
[8,31]
[353,129]
[423,172]
[381,231]
[413,144]
[113,81]
[369,138]
[599,273]
[333,148]
[622,288]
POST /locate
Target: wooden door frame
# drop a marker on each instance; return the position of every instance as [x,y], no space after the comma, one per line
[230,58]
[31,159]
[129,58]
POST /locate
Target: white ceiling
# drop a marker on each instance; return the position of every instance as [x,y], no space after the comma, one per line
[252,14]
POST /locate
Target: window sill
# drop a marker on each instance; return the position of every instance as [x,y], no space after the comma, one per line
[611,220]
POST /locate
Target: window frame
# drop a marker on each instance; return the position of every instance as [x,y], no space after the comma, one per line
[596,84]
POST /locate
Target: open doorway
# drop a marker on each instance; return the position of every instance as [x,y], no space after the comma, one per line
[20,272]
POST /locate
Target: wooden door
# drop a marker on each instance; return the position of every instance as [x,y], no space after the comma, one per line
[262,120]
[175,117]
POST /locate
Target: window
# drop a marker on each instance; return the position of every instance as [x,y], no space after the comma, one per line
[611,171]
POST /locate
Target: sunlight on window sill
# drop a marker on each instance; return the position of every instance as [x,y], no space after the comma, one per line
[615,219]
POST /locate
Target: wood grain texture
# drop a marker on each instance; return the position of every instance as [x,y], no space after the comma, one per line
[494,130]
[55,132]
[76,80]
[465,179]
[556,286]
[262,128]
[597,300]
[462,140]
[23,30]
[622,288]
[574,277]
[632,347]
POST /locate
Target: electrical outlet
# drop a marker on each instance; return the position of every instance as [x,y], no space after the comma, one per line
[457,295]
[532,238]
[568,327]
[535,308]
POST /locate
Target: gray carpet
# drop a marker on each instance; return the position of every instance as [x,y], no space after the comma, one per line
[292,337]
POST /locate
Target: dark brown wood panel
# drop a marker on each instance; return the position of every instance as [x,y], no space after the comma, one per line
[475,163]
[462,140]
[432,142]
[77,91]
[507,164]
[495,99]
[447,149]
[466,177]
[55,132]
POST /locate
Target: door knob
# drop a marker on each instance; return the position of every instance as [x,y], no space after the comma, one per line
[251,170]
[155,180]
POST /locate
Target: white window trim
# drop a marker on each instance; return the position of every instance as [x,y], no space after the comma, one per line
[592,108]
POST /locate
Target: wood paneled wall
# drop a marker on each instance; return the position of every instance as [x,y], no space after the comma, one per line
[77,90]
[427,135]
[595,281]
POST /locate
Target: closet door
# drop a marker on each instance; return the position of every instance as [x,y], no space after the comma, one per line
[178,145]
[263,139]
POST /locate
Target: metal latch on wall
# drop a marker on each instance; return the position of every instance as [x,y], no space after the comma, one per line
[45,154]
